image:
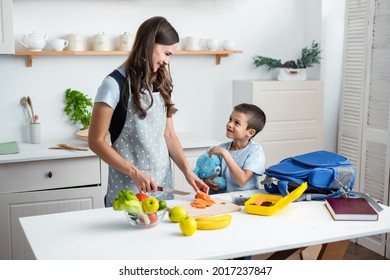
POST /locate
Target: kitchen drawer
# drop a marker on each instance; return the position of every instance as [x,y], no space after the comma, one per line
[49,174]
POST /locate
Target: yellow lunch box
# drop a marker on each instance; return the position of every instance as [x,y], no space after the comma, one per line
[277,202]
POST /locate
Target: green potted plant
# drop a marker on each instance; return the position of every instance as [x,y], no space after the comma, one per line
[292,69]
[78,108]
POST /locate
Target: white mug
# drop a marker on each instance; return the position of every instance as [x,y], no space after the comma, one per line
[58,44]
[192,43]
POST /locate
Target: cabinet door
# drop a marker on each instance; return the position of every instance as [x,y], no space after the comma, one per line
[7,45]
[180,182]
[13,242]
[279,145]
[294,115]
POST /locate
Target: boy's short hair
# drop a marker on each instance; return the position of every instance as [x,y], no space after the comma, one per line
[256,116]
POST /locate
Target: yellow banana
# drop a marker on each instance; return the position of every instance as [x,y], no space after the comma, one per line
[214,218]
[213,222]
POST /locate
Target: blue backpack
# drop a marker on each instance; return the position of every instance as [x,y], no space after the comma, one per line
[327,174]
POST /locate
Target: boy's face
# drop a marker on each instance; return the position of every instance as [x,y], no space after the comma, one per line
[237,127]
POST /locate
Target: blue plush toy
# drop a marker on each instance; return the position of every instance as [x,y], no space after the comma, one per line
[210,166]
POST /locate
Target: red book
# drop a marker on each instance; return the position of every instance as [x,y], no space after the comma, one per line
[351,209]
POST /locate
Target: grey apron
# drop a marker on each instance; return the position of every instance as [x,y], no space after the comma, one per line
[142,143]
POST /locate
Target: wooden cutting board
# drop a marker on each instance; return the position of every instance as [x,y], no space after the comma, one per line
[220,207]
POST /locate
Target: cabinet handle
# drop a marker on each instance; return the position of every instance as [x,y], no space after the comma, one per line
[49,174]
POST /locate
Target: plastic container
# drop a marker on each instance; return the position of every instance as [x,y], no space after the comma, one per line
[278,202]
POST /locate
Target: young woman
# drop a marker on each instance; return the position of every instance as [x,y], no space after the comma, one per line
[134,105]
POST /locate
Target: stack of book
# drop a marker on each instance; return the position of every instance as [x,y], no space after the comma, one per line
[351,209]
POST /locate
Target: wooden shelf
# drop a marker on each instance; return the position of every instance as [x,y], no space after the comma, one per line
[30,55]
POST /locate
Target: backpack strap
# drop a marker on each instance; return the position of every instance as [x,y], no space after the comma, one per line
[283,187]
[370,200]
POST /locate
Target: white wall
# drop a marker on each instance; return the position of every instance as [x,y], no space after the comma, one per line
[203,90]
[332,40]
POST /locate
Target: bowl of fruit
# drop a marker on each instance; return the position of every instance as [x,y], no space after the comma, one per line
[141,210]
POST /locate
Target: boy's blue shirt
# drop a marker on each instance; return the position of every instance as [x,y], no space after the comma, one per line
[252,158]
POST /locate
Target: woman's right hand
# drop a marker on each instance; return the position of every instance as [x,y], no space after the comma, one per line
[143,182]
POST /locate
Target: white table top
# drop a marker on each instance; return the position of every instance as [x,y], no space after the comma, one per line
[106,234]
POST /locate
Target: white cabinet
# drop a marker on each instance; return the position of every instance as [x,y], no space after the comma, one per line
[7,45]
[44,187]
[294,115]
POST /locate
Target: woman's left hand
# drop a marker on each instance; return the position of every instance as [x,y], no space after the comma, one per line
[197,183]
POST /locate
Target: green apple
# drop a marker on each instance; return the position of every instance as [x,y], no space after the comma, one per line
[188,226]
[177,213]
[150,205]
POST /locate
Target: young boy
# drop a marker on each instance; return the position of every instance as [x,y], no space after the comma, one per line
[242,160]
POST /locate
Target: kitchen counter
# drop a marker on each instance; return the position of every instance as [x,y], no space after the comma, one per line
[190,140]
[106,234]
[34,152]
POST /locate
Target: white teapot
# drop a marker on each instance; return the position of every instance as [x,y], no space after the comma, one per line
[33,41]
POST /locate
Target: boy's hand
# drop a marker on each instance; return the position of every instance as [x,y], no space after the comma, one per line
[216,150]
[209,182]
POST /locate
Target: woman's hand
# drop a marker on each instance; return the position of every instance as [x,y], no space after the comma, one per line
[197,184]
[202,186]
[143,182]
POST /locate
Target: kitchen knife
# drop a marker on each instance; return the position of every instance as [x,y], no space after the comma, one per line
[161,189]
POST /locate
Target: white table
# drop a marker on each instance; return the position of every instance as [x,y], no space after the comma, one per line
[105,234]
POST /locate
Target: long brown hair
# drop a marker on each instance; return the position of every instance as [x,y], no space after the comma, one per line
[156,30]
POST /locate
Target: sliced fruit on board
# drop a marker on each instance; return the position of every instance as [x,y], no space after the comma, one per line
[202,200]
[220,207]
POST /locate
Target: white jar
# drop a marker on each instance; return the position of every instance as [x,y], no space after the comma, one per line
[75,42]
[212,44]
[126,42]
[100,42]
[228,45]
